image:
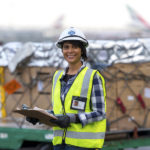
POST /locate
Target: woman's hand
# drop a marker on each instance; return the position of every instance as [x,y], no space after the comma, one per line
[62,121]
[32,120]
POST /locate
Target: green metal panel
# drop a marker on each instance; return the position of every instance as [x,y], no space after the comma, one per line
[12,138]
[127,143]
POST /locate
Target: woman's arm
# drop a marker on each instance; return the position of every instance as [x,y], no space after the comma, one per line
[97,103]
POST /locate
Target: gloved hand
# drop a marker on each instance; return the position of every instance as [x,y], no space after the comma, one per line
[62,121]
[30,119]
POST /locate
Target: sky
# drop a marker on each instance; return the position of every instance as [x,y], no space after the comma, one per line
[79,13]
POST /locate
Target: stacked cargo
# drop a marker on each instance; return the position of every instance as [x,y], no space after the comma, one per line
[128,96]
[124,64]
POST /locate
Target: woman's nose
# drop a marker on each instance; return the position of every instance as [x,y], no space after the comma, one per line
[70,49]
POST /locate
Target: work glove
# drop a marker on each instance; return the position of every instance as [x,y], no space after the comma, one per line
[34,121]
[61,121]
[30,119]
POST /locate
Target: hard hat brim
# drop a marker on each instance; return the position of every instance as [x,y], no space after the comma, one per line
[84,41]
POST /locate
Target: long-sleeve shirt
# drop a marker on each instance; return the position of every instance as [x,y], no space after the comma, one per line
[97,99]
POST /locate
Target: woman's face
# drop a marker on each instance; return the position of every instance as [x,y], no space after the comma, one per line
[72,53]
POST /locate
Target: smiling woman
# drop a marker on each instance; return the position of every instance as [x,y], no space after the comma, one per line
[73,43]
[78,97]
[72,53]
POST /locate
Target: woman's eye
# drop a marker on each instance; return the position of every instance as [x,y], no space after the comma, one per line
[75,46]
[65,47]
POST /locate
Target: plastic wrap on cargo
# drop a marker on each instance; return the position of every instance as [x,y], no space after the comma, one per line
[48,56]
[121,51]
[26,51]
[8,51]
[103,52]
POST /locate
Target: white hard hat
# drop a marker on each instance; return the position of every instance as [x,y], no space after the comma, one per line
[72,34]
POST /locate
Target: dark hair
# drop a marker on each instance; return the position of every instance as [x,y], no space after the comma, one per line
[78,44]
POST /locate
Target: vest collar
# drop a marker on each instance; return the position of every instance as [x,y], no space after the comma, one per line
[65,71]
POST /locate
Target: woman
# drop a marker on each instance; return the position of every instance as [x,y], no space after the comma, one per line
[78,97]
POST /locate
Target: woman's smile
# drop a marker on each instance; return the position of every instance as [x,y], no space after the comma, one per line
[72,54]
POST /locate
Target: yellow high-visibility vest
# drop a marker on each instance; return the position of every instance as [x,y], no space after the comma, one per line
[91,135]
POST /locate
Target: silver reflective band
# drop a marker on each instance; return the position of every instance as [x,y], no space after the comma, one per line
[81,135]
[85,84]
[56,77]
[58,132]
[55,81]
[85,135]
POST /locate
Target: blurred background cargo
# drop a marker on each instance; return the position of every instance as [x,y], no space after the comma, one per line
[119,46]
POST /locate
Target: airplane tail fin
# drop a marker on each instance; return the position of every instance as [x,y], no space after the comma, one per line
[137,18]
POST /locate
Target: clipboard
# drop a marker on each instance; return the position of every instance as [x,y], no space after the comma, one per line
[42,115]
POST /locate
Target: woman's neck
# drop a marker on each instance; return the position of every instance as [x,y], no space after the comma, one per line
[73,69]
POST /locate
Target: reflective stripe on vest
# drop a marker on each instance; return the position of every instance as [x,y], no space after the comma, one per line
[85,83]
[55,79]
[54,82]
[80,135]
